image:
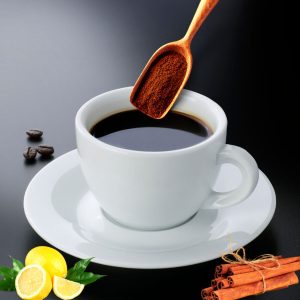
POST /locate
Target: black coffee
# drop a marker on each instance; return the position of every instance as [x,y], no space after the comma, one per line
[134,130]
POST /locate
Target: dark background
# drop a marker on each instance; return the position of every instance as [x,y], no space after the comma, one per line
[57,54]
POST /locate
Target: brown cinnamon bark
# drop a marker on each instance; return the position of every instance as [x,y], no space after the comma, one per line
[234,270]
[242,291]
[223,284]
[206,292]
[223,269]
[217,275]
[241,279]
[214,282]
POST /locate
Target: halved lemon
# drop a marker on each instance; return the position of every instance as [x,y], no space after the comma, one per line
[33,282]
[66,289]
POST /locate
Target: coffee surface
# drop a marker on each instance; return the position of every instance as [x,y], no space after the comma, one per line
[136,131]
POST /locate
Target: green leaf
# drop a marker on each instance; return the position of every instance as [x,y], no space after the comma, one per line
[5,271]
[17,265]
[88,278]
[81,265]
[77,273]
[7,283]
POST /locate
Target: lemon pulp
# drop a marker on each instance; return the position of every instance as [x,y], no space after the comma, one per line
[66,289]
[33,282]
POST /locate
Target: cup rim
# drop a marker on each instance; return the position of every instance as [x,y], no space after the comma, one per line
[218,111]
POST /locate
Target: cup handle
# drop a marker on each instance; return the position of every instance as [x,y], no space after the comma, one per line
[248,167]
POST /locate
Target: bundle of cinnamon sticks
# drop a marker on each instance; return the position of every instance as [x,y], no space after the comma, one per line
[236,281]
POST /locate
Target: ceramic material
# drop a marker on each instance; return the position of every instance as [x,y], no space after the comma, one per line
[158,190]
[62,210]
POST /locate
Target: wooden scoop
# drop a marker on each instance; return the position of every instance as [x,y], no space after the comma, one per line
[154,104]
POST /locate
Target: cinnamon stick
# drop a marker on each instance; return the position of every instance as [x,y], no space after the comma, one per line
[241,279]
[223,284]
[234,270]
[214,282]
[273,283]
[217,275]
[206,292]
[223,269]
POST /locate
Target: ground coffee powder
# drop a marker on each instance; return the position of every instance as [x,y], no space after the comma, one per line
[160,84]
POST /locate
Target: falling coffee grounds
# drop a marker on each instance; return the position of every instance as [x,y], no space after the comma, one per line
[160,84]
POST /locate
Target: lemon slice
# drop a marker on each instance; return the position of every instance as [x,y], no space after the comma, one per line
[66,289]
[33,282]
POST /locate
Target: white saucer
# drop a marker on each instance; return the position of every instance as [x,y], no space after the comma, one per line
[60,208]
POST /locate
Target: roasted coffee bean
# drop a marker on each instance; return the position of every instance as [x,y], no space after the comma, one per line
[45,150]
[34,134]
[30,153]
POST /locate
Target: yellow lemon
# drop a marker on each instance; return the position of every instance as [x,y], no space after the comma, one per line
[66,289]
[33,282]
[50,259]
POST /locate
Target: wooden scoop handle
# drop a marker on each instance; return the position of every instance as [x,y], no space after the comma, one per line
[203,10]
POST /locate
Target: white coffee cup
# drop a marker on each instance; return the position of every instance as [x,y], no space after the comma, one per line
[158,190]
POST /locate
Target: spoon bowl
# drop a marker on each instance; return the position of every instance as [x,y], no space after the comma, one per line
[179,47]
